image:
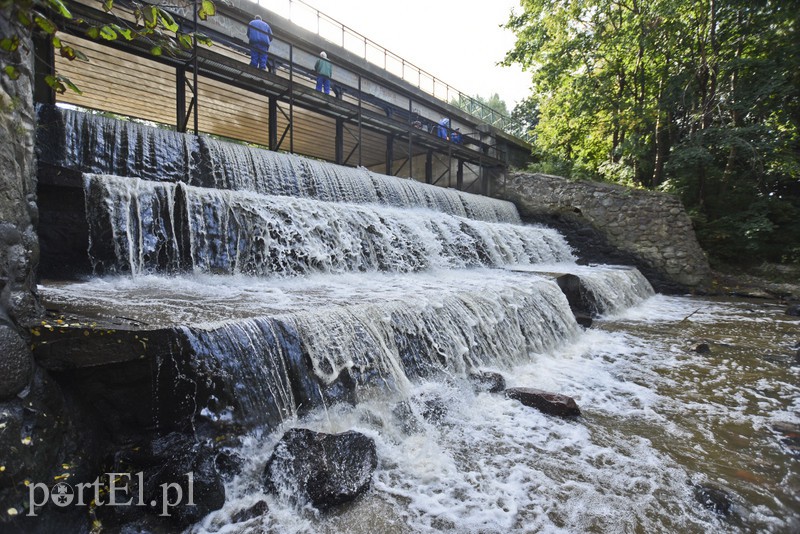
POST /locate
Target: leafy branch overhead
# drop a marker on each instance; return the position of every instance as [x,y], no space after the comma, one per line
[146,22]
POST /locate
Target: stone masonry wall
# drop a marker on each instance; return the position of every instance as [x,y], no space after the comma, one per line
[614,224]
[19,248]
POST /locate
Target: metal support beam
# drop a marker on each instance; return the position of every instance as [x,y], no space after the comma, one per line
[389,154]
[460,175]
[429,167]
[339,140]
[44,65]
[410,138]
[180,98]
[194,68]
[291,98]
[273,123]
[359,121]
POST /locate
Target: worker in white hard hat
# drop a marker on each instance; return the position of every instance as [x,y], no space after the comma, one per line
[324,71]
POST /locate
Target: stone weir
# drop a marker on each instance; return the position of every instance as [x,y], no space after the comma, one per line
[219,284]
[197,290]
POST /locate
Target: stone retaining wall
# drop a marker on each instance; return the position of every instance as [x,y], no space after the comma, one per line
[608,223]
[19,247]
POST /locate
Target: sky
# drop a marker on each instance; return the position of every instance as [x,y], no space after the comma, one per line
[458,41]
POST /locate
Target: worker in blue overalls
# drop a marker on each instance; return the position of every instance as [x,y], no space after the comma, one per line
[260,36]
[444,124]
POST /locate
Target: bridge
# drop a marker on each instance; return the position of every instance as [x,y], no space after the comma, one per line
[382,113]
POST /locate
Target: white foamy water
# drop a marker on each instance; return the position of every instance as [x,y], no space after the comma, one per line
[657,418]
[95,144]
[233,232]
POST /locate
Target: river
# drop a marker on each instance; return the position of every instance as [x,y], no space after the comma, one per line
[659,419]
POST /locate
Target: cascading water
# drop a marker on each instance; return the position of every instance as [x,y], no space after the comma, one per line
[242,232]
[306,294]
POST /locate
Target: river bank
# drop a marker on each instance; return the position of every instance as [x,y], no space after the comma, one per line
[768,281]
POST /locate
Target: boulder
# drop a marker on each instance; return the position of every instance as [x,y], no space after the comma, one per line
[549,403]
[793,310]
[406,419]
[791,436]
[324,469]
[433,409]
[175,460]
[715,499]
[582,301]
[703,348]
[487,381]
[246,514]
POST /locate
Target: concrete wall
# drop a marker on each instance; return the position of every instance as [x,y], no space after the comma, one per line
[614,224]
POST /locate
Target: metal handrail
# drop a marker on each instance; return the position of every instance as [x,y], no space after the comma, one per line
[407,70]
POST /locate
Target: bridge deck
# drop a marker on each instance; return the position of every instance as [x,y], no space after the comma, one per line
[367,122]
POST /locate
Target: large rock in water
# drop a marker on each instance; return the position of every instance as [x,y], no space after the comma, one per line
[323,469]
[549,403]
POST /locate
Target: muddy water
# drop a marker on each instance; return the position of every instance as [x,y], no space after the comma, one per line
[659,418]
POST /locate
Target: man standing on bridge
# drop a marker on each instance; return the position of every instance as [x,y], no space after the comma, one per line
[324,71]
[260,36]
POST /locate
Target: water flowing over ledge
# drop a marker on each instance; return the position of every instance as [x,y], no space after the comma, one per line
[162,226]
[95,144]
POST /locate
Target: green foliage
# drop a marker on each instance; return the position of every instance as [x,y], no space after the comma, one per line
[701,99]
[489,109]
[153,24]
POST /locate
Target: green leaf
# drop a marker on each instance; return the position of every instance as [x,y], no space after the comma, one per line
[108,33]
[67,52]
[156,50]
[207,9]
[93,32]
[55,84]
[45,24]
[11,71]
[69,84]
[80,55]
[56,42]
[203,39]
[62,9]
[9,44]
[125,32]
[185,40]
[150,14]
[167,21]
[24,18]
[108,5]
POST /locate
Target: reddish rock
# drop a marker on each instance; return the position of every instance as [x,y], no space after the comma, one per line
[549,403]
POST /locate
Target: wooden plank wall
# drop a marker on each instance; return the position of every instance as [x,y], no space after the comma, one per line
[139,87]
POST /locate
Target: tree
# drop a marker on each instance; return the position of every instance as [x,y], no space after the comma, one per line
[152,24]
[698,98]
[492,109]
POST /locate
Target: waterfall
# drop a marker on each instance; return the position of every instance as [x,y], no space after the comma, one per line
[243,232]
[92,143]
[237,292]
[292,283]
